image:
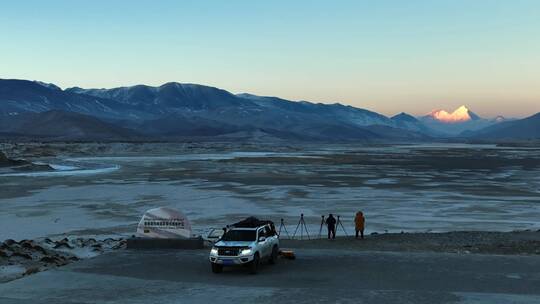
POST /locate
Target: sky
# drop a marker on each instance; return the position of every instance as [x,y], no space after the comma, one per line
[387,56]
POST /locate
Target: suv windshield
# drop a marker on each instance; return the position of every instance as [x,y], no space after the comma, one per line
[239,235]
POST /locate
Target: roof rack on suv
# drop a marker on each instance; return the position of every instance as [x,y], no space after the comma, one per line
[253,222]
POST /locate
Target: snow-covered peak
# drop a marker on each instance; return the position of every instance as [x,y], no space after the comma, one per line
[499,119]
[461,114]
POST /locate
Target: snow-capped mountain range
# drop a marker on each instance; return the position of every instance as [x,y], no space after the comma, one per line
[460,120]
[177,110]
[461,114]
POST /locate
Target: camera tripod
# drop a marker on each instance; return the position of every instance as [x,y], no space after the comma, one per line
[322,224]
[340,224]
[282,225]
[302,226]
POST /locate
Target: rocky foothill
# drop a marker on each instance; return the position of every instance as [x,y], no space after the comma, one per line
[25,257]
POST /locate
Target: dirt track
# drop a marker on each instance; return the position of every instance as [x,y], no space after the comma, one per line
[518,242]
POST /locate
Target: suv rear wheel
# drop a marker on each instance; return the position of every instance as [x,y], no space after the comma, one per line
[274,256]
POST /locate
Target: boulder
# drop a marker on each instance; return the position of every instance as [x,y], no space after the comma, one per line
[48,259]
[26,244]
[63,244]
[7,162]
[9,242]
[40,249]
[22,255]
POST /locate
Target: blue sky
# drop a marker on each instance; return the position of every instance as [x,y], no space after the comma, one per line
[387,56]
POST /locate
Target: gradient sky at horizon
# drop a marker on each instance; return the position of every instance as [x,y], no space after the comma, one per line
[386,56]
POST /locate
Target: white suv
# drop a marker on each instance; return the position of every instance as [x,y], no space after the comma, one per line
[245,246]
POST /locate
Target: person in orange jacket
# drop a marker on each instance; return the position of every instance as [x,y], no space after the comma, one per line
[359,223]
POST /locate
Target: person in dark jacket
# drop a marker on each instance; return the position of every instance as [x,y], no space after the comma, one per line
[331,224]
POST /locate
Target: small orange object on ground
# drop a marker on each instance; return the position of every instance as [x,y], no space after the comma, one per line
[287,253]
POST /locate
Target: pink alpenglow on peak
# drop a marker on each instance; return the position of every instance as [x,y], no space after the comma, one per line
[461,114]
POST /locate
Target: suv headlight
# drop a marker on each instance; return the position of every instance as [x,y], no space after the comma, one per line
[246,251]
[214,251]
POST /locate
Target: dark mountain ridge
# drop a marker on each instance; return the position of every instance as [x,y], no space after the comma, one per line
[175,110]
[169,96]
[523,129]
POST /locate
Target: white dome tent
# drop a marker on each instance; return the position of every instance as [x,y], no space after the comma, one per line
[164,223]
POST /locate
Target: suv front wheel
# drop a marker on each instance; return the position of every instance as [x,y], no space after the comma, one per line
[216,268]
[254,265]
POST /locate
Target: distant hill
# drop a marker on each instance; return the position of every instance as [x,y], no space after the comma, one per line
[409,122]
[397,135]
[522,129]
[23,96]
[61,125]
[169,98]
[221,106]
